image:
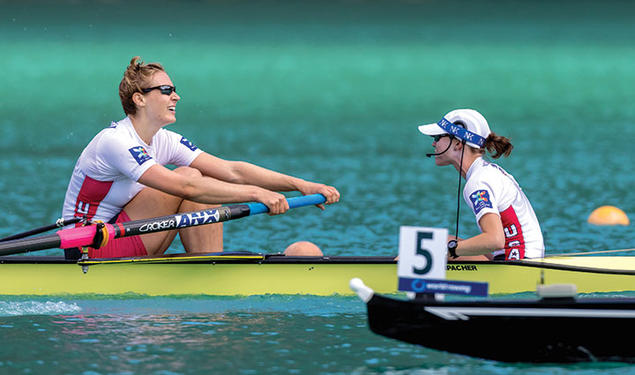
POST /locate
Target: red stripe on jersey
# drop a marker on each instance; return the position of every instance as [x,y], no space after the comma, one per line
[90,196]
[514,239]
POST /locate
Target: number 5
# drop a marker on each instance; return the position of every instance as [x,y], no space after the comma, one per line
[423,252]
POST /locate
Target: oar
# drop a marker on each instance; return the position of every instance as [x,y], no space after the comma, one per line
[96,235]
[59,223]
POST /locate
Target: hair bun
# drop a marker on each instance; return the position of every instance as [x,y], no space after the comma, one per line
[136,62]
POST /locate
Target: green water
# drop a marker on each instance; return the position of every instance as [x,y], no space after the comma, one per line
[329,91]
[255,335]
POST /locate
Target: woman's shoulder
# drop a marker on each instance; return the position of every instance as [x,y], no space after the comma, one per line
[486,174]
[496,177]
[169,137]
[115,136]
[167,134]
[489,168]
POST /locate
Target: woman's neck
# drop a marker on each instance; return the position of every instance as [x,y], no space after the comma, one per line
[143,127]
[468,159]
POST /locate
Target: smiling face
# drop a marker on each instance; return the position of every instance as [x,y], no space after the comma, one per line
[156,106]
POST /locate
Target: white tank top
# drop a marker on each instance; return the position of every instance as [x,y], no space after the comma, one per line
[105,176]
[490,189]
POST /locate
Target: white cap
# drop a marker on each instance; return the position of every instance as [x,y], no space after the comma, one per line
[474,122]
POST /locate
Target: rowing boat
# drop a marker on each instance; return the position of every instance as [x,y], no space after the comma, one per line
[241,274]
[560,328]
[256,274]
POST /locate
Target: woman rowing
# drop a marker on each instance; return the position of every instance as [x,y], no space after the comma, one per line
[510,229]
[121,174]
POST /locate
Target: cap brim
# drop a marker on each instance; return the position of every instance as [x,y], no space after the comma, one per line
[431,129]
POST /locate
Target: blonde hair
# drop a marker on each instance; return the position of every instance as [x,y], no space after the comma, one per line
[136,77]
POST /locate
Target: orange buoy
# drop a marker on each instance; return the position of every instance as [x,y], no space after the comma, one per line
[303,248]
[608,215]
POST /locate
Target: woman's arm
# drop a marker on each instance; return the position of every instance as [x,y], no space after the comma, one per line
[204,189]
[492,237]
[238,172]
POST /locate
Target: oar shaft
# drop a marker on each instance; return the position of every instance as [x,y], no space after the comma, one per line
[29,244]
[85,236]
[58,224]
[177,221]
[217,215]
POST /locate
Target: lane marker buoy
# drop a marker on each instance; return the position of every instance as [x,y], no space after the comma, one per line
[608,215]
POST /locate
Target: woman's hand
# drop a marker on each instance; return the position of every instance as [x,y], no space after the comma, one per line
[276,202]
[330,193]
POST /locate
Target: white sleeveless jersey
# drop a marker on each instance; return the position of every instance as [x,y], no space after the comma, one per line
[490,188]
[105,176]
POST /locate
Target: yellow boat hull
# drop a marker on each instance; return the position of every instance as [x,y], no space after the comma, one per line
[257,275]
[589,274]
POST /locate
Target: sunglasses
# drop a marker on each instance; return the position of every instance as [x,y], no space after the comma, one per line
[165,89]
[438,137]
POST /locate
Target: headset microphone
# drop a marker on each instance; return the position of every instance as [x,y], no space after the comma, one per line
[440,153]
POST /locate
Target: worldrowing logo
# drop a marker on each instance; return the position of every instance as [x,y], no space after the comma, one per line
[187,143]
[480,200]
[418,285]
[140,154]
[480,196]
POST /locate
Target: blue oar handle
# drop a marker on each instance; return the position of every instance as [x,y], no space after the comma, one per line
[305,200]
[86,236]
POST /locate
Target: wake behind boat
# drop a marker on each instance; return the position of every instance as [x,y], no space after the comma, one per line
[561,329]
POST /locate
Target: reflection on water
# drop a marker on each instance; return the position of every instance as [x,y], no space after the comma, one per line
[251,343]
[236,335]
